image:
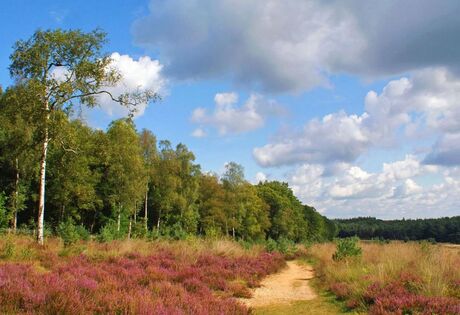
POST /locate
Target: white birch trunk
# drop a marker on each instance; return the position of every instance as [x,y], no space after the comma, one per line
[119,220]
[41,199]
[129,228]
[158,222]
[16,198]
[146,209]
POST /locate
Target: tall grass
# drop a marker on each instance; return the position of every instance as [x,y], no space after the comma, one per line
[393,278]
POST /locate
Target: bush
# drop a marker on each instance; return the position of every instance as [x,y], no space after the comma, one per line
[3,213]
[282,245]
[175,232]
[109,232]
[347,247]
[8,249]
[70,233]
[138,230]
[271,245]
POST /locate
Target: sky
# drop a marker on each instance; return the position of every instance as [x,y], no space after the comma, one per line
[356,104]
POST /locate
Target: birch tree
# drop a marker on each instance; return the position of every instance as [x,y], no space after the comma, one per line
[63,69]
[126,173]
[149,151]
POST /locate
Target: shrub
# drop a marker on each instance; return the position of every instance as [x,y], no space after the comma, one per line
[283,245]
[347,247]
[175,232]
[271,245]
[109,232]
[8,249]
[138,230]
[70,233]
[286,247]
[3,212]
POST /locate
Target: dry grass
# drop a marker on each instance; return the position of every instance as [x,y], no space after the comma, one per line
[20,248]
[436,267]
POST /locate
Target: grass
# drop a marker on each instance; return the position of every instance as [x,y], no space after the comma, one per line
[129,277]
[188,276]
[392,278]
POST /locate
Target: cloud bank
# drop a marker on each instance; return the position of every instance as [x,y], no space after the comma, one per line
[293,46]
[424,106]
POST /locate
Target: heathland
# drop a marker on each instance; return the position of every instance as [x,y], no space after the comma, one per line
[132,225]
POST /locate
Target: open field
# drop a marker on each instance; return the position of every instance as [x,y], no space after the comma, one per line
[130,277]
[198,276]
[394,278]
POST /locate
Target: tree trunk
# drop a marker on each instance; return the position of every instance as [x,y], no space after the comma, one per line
[119,219]
[129,228]
[146,209]
[158,221]
[41,199]
[16,198]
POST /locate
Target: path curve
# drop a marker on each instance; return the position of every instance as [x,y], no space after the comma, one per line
[288,285]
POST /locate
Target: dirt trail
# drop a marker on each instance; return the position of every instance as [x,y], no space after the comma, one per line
[290,284]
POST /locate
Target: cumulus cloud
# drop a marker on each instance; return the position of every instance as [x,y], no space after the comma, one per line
[426,104]
[336,138]
[228,118]
[392,192]
[291,45]
[140,74]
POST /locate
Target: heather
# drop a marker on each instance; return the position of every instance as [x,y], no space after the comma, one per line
[392,278]
[189,277]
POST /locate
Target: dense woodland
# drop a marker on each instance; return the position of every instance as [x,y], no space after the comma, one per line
[440,230]
[120,182]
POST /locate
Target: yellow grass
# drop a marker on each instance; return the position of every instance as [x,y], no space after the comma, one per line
[19,248]
[437,266]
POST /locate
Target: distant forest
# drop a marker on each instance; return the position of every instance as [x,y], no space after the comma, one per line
[440,230]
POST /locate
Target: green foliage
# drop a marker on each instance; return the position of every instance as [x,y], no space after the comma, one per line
[8,249]
[3,212]
[347,248]
[175,232]
[271,245]
[71,233]
[138,230]
[109,233]
[282,245]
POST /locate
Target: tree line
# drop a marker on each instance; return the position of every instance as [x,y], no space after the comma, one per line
[440,230]
[120,182]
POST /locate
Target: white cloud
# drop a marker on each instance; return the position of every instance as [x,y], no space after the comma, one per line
[427,104]
[393,192]
[291,45]
[199,133]
[336,138]
[228,118]
[408,188]
[260,177]
[143,73]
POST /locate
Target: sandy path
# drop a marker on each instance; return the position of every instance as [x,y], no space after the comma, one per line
[290,284]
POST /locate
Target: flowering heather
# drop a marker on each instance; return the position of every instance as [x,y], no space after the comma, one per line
[396,278]
[162,283]
[398,298]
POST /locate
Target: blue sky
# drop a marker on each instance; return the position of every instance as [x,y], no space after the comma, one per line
[358,112]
